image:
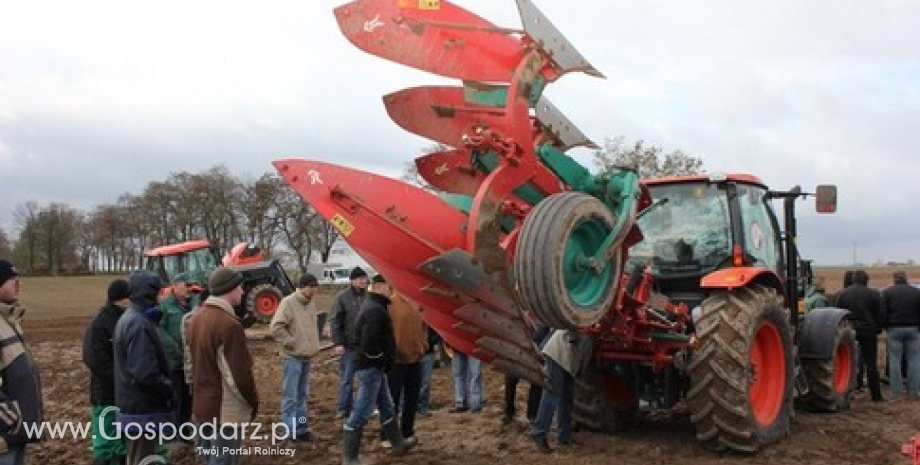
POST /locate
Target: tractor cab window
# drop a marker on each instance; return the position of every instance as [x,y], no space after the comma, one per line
[687,232]
[198,264]
[759,227]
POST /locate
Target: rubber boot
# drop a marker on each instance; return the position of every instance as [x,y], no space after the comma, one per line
[394,435]
[351,447]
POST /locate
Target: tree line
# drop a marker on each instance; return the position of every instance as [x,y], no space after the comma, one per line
[215,205]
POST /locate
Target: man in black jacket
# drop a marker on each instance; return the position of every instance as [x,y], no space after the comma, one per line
[902,303]
[375,354]
[345,309]
[867,314]
[99,357]
[20,385]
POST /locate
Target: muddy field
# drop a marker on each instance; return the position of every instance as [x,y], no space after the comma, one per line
[867,434]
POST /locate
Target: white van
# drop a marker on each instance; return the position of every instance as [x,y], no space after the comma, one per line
[336,276]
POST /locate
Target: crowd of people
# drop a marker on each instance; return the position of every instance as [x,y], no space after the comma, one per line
[176,357]
[894,310]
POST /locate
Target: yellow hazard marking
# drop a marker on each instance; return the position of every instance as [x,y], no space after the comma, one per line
[420,4]
[343,225]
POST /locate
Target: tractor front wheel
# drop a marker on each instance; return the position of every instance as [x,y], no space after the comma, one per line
[742,374]
[551,270]
[831,381]
[262,301]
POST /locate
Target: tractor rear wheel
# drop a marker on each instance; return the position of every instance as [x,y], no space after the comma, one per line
[831,381]
[550,270]
[262,301]
[742,374]
[606,402]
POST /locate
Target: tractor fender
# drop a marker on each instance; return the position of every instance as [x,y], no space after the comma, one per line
[742,276]
[819,330]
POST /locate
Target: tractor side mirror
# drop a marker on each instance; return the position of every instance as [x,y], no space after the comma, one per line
[826,199]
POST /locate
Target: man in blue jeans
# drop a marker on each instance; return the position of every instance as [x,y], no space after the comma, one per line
[375,354]
[294,328]
[566,354]
[424,394]
[345,310]
[467,373]
[902,304]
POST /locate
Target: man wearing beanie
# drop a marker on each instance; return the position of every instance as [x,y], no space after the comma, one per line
[294,329]
[376,353]
[99,357]
[20,386]
[345,310]
[143,393]
[224,388]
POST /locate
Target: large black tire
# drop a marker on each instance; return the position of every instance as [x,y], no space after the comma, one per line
[262,301]
[594,410]
[742,374]
[831,382]
[559,293]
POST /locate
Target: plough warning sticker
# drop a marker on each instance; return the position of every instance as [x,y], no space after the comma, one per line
[343,225]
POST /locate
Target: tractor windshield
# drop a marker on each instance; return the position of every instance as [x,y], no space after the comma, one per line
[197,263]
[687,231]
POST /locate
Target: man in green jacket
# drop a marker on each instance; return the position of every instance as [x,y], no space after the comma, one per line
[178,302]
[815,296]
[294,328]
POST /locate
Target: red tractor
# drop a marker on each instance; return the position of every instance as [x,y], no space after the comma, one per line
[684,284]
[265,282]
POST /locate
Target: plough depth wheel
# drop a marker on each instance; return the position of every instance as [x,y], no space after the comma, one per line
[551,272]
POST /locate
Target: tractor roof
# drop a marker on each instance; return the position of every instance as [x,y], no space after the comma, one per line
[175,249]
[706,177]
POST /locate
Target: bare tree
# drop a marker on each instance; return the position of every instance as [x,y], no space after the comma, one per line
[295,218]
[259,207]
[6,249]
[26,217]
[649,161]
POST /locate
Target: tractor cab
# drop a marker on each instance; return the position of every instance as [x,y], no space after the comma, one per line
[196,258]
[700,224]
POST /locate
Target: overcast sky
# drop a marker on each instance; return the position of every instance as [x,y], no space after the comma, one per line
[100,97]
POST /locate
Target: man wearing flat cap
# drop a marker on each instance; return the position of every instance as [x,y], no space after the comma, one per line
[345,309]
[376,353]
[294,329]
[224,389]
[178,302]
[20,386]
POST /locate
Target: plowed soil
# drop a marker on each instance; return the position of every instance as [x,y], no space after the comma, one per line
[867,434]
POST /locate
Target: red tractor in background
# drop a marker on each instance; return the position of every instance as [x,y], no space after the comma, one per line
[685,285]
[265,282]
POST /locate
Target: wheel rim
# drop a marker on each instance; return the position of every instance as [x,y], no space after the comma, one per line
[843,367]
[585,287]
[768,383]
[266,304]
